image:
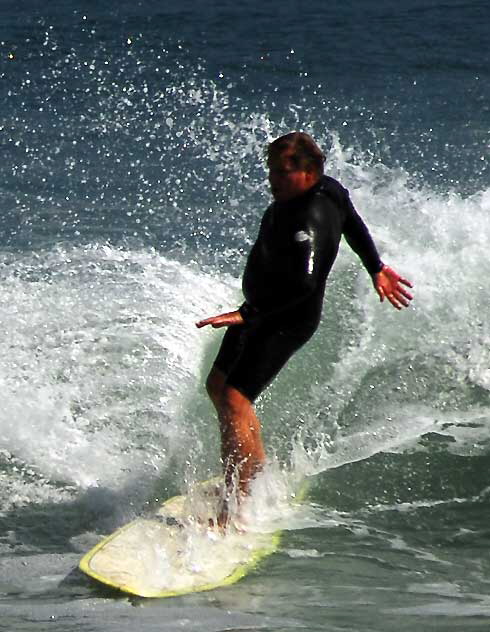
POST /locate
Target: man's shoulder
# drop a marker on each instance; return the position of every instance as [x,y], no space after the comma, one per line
[332,188]
[329,196]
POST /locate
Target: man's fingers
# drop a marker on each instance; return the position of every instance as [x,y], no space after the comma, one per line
[403,301]
[223,320]
[405,282]
[394,301]
[206,321]
[399,298]
[216,324]
[404,293]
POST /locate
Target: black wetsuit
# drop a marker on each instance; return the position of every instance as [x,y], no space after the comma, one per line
[284,281]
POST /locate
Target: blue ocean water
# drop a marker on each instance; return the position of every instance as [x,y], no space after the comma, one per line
[132,184]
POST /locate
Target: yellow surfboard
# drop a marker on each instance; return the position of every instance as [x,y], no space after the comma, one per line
[173,551]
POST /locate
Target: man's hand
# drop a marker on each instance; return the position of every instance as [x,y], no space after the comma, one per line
[222,320]
[387,283]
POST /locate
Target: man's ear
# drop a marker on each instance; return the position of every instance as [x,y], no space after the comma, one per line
[313,176]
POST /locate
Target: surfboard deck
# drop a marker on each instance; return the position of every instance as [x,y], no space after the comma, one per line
[173,551]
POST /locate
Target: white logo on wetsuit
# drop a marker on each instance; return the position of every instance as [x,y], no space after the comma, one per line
[301,235]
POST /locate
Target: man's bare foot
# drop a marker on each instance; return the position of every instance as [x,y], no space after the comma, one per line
[223,515]
[222,519]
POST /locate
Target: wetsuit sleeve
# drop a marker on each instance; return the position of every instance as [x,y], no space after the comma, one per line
[359,239]
[250,314]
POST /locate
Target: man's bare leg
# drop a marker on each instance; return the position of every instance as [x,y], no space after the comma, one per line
[242,450]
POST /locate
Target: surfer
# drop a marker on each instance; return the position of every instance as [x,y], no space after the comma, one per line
[283,285]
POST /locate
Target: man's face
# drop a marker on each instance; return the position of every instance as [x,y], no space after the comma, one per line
[287,181]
